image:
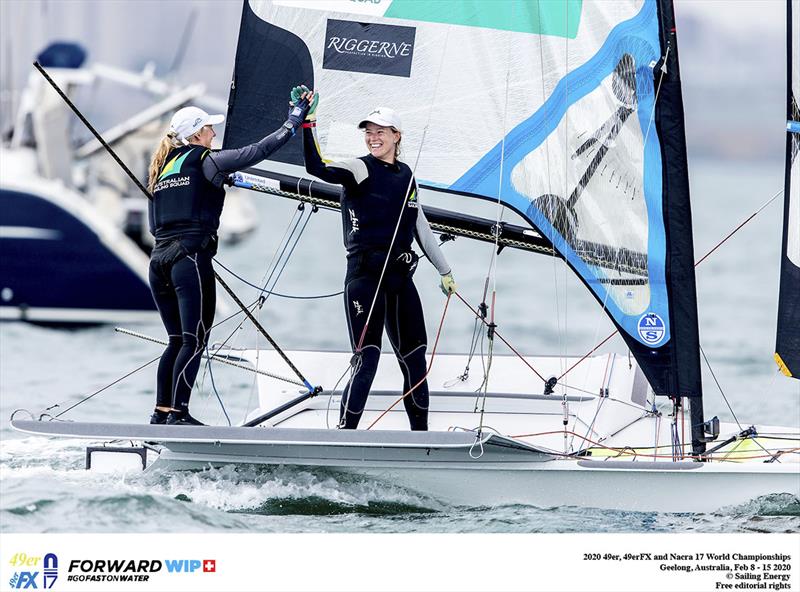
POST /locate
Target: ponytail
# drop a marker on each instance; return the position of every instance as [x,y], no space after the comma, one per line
[168,142]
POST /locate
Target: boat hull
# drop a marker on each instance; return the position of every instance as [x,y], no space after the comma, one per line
[622,485]
[455,467]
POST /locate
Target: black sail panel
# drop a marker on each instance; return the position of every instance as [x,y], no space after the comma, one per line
[787,347]
[269,62]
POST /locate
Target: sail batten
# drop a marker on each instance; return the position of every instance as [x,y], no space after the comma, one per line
[787,346]
[571,131]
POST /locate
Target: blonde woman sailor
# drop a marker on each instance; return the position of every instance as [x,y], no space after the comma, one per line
[186,181]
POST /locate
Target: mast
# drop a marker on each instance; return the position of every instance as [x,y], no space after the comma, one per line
[685,379]
[787,341]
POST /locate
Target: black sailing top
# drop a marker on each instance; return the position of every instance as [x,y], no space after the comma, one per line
[189,194]
[375,193]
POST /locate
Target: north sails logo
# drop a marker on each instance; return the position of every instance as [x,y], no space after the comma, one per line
[651,328]
[369,48]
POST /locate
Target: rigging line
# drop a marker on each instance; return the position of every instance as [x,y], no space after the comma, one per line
[330,398]
[735,230]
[286,243]
[655,98]
[489,358]
[85,122]
[216,355]
[265,334]
[500,337]
[567,80]
[97,392]
[276,294]
[719,386]
[430,364]
[294,221]
[214,387]
[549,177]
[703,258]
[231,335]
[288,256]
[283,241]
[492,271]
[476,337]
[724,398]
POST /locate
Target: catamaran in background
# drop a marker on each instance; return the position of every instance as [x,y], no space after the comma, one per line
[569,115]
[73,229]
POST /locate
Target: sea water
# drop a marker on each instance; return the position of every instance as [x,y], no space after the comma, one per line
[540,309]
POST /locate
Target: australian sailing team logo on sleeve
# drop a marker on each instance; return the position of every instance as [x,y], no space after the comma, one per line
[369,48]
[652,328]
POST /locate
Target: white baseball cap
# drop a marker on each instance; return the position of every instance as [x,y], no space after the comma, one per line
[188,121]
[384,117]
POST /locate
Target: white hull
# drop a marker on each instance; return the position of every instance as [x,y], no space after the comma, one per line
[522,454]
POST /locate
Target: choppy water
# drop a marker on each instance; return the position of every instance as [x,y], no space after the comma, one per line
[45,488]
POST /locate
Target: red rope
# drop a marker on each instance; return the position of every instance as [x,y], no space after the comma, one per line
[594,349]
[424,378]
[500,337]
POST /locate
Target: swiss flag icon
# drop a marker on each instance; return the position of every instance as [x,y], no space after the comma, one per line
[209,565]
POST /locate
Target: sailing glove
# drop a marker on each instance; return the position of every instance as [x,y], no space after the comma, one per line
[294,98]
[297,113]
[448,284]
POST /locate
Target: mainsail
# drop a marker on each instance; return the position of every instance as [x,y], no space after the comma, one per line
[787,347]
[568,113]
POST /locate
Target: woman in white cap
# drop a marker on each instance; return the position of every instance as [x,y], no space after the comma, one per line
[186,182]
[380,217]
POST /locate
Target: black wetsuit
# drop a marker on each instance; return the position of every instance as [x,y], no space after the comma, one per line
[184,218]
[375,194]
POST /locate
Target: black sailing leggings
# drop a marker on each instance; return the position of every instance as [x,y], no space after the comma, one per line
[184,289]
[397,308]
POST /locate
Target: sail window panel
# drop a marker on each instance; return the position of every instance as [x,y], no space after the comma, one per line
[593,167]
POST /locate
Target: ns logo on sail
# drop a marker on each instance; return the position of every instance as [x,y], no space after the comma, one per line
[651,328]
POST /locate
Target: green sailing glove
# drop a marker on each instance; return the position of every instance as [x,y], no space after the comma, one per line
[295,95]
[448,284]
